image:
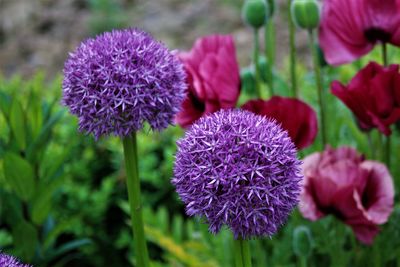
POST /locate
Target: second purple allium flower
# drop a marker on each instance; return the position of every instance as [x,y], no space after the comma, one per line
[9,261]
[238,169]
[121,79]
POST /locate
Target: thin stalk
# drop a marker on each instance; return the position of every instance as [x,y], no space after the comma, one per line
[387,139]
[371,145]
[318,81]
[292,40]
[384,54]
[303,261]
[270,52]
[256,51]
[133,184]
[387,151]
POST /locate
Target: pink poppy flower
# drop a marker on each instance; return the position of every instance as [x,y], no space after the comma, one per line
[373,95]
[295,116]
[350,29]
[213,78]
[340,182]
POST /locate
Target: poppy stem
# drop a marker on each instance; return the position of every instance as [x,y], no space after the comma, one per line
[269,35]
[256,50]
[384,55]
[387,151]
[293,77]
[387,138]
[371,145]
[242,253]
[318,81]
[133,184]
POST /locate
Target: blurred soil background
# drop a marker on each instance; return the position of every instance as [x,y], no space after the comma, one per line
[38,34]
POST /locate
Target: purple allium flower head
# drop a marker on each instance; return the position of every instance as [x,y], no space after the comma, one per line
[121,79]
[240,169]
[9,261]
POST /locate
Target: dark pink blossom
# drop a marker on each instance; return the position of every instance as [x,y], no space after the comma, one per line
[373,95]
[340,182]
[350,29]
[295,116]
[212,76]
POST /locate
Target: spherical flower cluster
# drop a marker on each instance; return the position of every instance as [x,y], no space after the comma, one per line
[238,169]
[121,79]
[9,261]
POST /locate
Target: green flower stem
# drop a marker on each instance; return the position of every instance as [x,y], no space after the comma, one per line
[303,261]
[256,51]
[238,253]
[318,80]
[133,184]
[371,145]
[387,139]
[270,52]
[292,41]
[242,253]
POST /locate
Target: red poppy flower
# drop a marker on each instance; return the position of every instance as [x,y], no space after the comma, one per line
[298,118]
[213,78]
[350,29]
[340,182]
[373,95]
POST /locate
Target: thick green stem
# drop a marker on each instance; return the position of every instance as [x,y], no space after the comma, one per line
[133,184]
[318,80]
[242,253]
[238,253]
[256,51]
[292,41]
[270,52]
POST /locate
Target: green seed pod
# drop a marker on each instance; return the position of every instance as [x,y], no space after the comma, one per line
[255,12]
[305,13]
[302,241]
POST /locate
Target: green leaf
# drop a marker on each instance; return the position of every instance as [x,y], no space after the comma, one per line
[43,137]
[5,104]
[67,247]
[42,202]
[35,115]
[19,174]
[25,238]
[17,122]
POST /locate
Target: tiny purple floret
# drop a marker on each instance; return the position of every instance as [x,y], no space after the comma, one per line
[9,261]
[119,80]
[238,169]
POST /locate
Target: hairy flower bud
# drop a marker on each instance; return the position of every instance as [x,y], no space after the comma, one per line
[305,13]
[255,12]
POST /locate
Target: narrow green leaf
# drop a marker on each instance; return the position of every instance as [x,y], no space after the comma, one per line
[43,136]
[41,204]
[19,174]
[5,104]
[25,238]
[17,122]
[35,115]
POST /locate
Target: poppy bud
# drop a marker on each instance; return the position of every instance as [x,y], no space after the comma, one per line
[302,241]
[255,12]
[305,13]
